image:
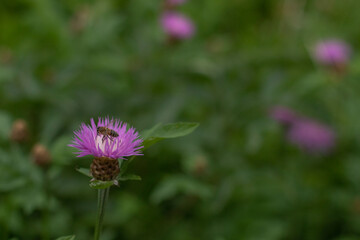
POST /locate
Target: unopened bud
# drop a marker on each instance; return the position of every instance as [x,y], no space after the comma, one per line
[6,56]
[19,131]
[80,20]
[201,165]
[40,155]
[356,205]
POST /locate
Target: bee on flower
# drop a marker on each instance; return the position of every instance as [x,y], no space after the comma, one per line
[106,149]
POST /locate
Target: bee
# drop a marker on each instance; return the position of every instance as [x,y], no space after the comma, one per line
[107,133]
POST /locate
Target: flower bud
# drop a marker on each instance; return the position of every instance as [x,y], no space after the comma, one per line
[104,168]
[80,20]
[201,165]
[40,155]
[19,131]
[355,206]
[6,56]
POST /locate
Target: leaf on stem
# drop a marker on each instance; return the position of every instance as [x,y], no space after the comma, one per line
[98,184]
[128,177]
[84,171]
[171,130]
[72,237]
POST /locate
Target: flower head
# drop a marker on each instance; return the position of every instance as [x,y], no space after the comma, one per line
[332,52]
[177,25]
[311,136]
[89,142]
[19,131]
[283,115]
[41,155]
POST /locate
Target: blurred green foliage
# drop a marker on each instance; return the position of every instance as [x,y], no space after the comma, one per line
[63,62]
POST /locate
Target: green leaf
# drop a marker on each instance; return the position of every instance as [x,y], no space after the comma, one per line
[128,177]
[97,184]
[85,171]
[149,132]
[72,237]
[171,130]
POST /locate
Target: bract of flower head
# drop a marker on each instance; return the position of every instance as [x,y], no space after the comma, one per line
[89,142]
[177,25]
[332,52]
[311,136]
[283,115]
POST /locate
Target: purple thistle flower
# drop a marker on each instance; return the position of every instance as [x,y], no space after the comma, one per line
[283,115]
[311,136]
[89,142]
[177,25]
[332,52]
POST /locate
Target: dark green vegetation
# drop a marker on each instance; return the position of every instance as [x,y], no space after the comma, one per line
[235,177]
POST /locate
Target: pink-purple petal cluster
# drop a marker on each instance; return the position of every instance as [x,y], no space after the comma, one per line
[309,135]
[283,115]
[332,52]
[88,142]
[177,25]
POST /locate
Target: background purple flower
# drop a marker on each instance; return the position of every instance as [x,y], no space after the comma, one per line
[88,142]
[311,136]
[307,134]
[177,25]
[283,115]
[332,52]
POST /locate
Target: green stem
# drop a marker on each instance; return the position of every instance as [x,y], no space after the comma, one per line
[45,217]
[102,197]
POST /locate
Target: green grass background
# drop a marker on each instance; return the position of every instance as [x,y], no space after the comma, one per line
[65,61]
